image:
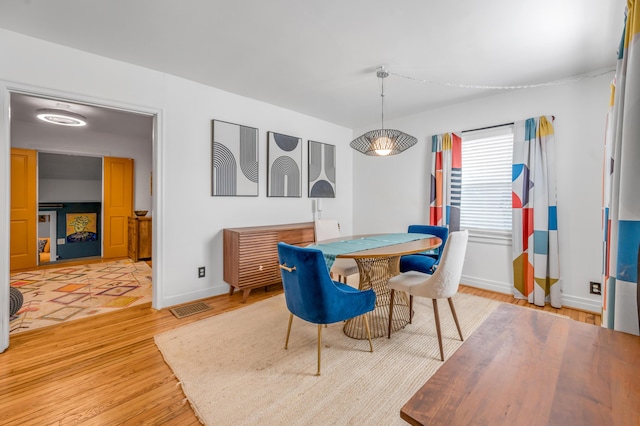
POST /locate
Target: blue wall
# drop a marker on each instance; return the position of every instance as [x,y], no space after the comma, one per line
[76,249]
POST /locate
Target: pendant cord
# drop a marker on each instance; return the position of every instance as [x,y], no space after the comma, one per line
[382,100]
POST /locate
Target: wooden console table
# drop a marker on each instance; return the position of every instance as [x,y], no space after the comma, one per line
[522,366]
[140,232]
[251,253]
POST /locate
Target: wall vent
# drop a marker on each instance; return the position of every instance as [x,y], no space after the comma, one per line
[191,309]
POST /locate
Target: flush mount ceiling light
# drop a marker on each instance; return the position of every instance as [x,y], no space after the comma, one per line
[61,117]
[383,142]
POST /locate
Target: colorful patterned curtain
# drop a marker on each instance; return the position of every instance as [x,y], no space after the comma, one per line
[446,180]
[621,194]
[536,263]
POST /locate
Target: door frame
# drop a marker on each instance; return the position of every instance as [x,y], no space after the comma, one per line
[53,233]
[157,203]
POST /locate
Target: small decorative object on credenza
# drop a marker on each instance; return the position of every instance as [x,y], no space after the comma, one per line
[141,213]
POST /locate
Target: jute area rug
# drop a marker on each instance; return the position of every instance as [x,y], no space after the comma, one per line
[234,369]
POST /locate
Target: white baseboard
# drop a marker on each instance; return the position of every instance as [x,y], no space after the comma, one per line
[496,286]
[569,301]
[582,304]
[167,302]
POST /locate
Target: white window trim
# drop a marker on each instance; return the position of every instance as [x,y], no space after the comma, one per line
[484,236]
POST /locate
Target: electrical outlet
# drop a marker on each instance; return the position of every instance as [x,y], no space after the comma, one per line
[201,272]
[594,288]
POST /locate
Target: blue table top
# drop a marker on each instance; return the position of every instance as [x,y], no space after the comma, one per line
[335,248]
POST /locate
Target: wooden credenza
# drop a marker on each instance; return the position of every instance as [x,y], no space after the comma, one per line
[139,244]
[251,253]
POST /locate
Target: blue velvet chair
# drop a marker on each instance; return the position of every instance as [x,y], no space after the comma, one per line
[420,262]
[313,296]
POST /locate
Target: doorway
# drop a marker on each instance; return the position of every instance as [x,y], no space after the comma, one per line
[71,187]
[47,237]
[108,131]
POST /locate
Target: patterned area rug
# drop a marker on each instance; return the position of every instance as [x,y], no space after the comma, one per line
[52,296]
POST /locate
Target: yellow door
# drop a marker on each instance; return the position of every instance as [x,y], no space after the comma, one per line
[118,205]
[23,228]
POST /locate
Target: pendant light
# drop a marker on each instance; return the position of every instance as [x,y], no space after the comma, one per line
[383,142]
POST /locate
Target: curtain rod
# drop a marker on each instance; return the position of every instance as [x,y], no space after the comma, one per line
[553,117]
[489,127]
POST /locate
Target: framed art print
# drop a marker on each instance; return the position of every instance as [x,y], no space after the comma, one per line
[81,227]
[234,159]
[284,171]
[322,170]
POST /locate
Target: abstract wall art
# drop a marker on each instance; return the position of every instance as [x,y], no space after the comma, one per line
[322,170]
[284,165]
[234,162]
[81,227]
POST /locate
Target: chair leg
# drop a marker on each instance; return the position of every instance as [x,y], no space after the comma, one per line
[410,309]
[455,318]
[437,316]
[393,292]
[319,346]
[286,342]
[366,325]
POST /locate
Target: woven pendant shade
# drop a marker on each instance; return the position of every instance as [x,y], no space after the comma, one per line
[383,142]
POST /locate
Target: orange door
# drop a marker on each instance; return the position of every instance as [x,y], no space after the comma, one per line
[23,228]
[118,205]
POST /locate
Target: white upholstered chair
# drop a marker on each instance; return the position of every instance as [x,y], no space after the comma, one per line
[443,284]
[326,229]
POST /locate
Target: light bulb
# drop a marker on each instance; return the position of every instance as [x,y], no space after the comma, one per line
[383,145]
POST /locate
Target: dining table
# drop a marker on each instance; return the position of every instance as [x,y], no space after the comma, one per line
[523,366]
[378,259]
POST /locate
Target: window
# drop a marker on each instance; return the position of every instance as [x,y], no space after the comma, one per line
[485,201]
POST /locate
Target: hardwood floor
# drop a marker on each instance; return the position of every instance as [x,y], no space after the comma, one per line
[106,370]
[574,314]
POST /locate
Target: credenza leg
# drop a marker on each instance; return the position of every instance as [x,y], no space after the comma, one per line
[245,294]
[231,290]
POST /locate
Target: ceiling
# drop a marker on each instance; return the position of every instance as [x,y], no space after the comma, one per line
[320,57]
[99,119]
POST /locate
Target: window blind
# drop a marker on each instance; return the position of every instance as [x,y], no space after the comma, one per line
[485,201]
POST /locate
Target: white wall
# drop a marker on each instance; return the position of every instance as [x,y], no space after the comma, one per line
[90,143]
[383,194]
[188,221]
[391,193]
[69,190]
